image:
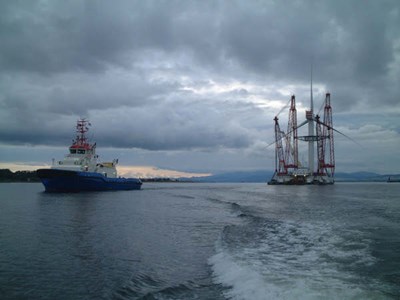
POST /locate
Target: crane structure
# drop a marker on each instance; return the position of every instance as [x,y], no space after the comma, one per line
[288,169]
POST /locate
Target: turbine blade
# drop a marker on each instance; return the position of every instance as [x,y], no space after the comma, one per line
[284,135]
[354,141]
[329,127]
[286,105]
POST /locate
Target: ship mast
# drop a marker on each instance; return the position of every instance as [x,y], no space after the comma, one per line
[81,129]
[81,141]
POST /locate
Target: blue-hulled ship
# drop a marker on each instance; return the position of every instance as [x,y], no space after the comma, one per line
[80,169]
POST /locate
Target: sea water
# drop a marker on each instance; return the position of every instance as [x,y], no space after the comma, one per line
[201,241]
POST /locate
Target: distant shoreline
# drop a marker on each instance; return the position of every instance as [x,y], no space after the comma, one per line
[7,175]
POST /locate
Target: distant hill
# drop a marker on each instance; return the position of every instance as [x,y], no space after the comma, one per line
[360,176]
[264,176]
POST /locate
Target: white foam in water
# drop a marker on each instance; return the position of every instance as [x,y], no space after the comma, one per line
[293,262]
[243,282]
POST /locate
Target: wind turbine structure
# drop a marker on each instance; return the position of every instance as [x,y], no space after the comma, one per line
[288,169]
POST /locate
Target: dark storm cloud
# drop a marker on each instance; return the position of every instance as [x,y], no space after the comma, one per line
[351,44]
[126,64]
[268,36]
[175,124]
[56,36]
[169,125]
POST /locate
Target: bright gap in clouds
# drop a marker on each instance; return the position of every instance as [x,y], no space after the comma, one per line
[153,172]
[124,171]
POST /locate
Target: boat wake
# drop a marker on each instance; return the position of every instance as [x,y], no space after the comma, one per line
[263,258]
[145,287]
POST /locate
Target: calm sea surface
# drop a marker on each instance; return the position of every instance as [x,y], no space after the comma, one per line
[201,241]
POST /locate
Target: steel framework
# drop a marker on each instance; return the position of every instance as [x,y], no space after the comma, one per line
[291,150]
[286,146]
[280,168]
[325,143]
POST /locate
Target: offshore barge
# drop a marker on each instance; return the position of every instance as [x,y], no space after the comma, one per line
[288,169]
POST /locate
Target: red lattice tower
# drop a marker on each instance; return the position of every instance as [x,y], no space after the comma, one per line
[280,160]
[291,150]
[320,146]
[327,132]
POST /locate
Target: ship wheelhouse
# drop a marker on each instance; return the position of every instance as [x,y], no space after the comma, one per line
[82,149]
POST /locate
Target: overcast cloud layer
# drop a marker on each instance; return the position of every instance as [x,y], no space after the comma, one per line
[194,85]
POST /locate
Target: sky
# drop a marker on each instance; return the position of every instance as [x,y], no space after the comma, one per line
[192,87]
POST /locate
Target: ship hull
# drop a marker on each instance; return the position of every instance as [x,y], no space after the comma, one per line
[56,180]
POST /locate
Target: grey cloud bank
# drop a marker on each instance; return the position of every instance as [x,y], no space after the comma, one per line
[198,80]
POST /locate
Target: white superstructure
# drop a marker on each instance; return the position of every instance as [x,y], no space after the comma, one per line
[82,155]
